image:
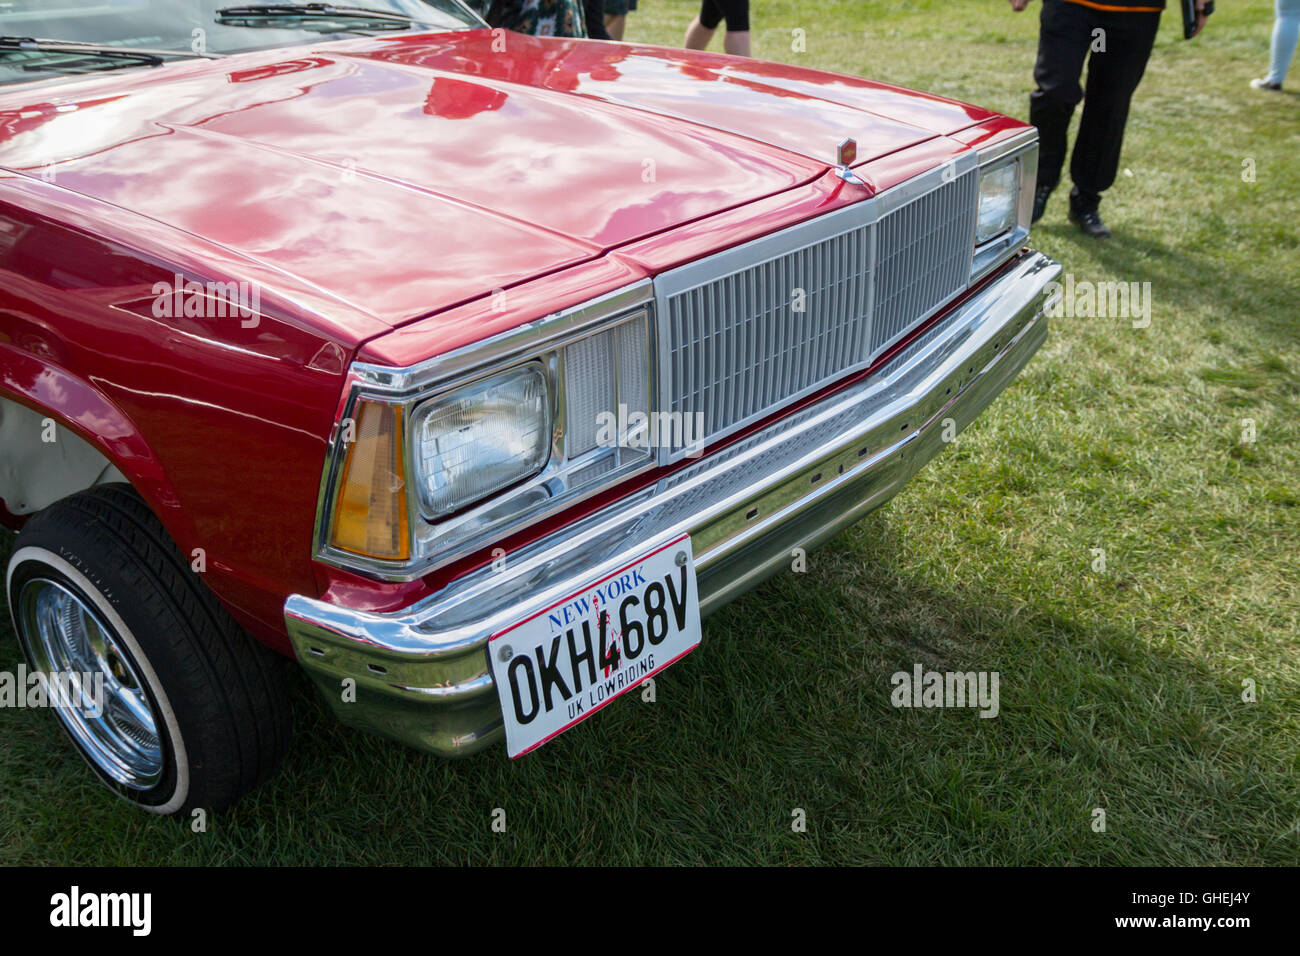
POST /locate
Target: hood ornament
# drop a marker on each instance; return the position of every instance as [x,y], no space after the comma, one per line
[848,155]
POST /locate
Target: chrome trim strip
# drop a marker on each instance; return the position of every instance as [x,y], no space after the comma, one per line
[991,154]
[505,347]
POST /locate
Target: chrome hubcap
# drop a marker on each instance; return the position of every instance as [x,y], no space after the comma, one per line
[115,727]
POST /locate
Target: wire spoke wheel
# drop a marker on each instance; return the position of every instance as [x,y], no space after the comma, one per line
[169,701]
[92,683]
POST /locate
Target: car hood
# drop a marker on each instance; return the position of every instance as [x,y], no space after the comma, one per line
[403,175]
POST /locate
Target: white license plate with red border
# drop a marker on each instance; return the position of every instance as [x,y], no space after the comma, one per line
[558,667]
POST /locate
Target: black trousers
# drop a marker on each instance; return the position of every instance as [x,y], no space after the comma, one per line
[1117,57]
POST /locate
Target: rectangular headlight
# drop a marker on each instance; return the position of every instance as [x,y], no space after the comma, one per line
[482,438]
[999,201]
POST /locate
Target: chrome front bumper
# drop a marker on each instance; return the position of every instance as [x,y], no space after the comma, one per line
[422,674]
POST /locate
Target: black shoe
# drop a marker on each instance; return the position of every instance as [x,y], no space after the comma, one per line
[1264,84]
[1040,202]
[1089,221]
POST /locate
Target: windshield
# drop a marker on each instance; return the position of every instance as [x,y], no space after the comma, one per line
[193,26]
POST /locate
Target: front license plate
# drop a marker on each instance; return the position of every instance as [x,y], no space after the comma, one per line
[563,664]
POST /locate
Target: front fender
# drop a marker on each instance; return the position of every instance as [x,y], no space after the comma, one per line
[78,406]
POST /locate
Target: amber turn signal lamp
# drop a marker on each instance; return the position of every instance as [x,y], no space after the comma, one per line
[370,516]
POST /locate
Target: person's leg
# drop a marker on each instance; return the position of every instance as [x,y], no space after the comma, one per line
[702,28]
[1113,75]
[616,12]
[593,16]
[1063,38]
[698,36]
[1286,31]
[736,42]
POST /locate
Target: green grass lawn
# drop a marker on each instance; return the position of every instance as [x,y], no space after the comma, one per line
[1119,690]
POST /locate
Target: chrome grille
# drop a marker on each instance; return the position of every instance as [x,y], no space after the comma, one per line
[604,371]
[761,325]
[926,249]
[742,345]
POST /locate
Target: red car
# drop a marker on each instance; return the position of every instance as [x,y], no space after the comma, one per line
[465,368]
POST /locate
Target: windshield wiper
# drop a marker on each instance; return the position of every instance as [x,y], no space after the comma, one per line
[152,57]
[272,12]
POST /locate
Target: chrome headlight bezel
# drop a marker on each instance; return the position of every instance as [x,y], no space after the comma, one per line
[1019,153]
[563,480]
